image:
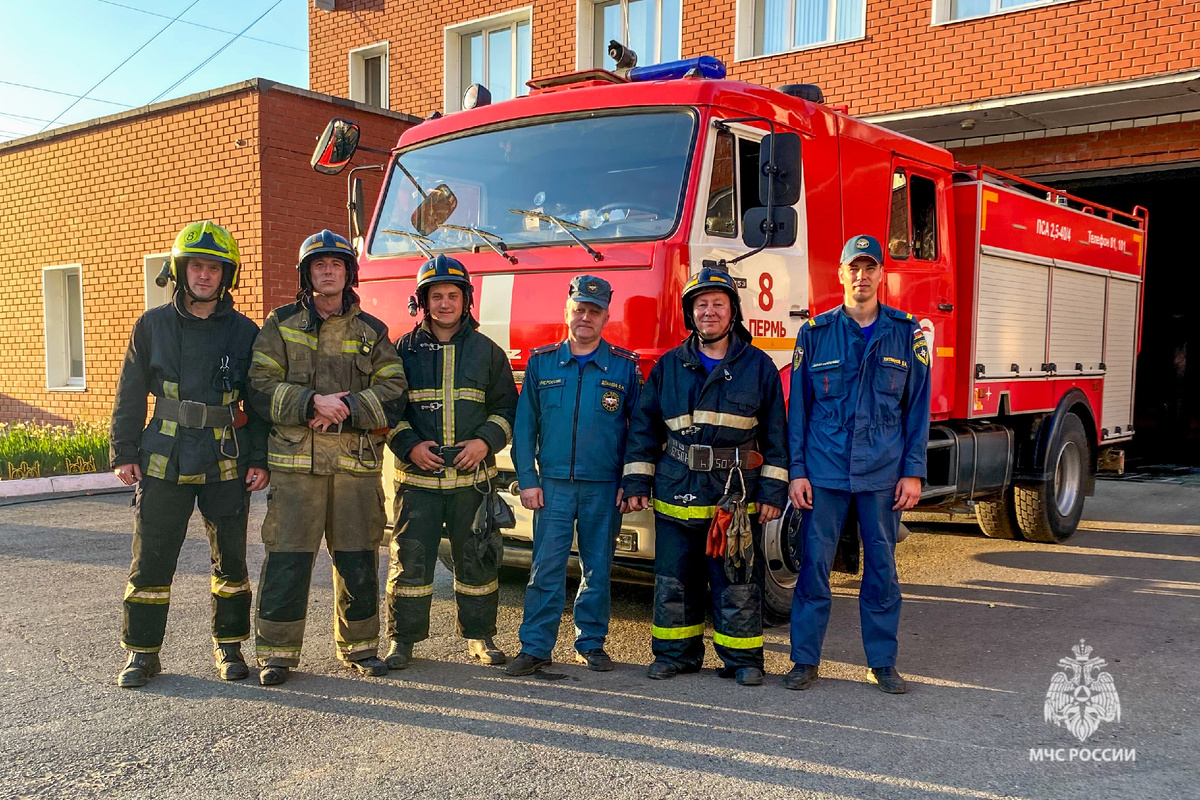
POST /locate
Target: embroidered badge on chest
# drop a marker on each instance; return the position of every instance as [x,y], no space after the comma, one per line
[610,401]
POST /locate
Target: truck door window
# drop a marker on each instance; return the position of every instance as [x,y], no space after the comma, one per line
[721,217]
[924,218]
[748,174]
[898,246]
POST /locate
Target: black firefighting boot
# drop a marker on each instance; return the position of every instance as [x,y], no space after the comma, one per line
[399,655]
[138,670]
[272,676]
[486,651]
[230,664]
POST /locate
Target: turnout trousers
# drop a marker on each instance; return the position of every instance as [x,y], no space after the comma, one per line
[585,510]
[879,595]
[347,511]
[687,583]
[162,510]
[422,518]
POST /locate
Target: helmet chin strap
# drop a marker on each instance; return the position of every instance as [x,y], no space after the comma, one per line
[715,339]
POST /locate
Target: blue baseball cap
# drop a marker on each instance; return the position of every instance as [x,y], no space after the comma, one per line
[590,289]
[862,246]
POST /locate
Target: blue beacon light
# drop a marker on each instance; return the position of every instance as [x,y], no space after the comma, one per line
[707,66]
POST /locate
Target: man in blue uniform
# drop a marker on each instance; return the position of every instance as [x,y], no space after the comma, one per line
[858,423]
[572,419]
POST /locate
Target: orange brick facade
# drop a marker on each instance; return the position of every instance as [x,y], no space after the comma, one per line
[903,62]
[106,193]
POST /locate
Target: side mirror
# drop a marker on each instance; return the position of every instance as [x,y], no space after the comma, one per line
[436,208]
[336,147]
[358,209]
[779,231]
[786,167]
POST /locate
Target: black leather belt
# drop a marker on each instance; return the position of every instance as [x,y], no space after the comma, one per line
[190,414]
[705,458]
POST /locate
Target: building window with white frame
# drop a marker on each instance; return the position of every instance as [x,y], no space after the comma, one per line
[369,75]
[953,10]
[497,53]
[651,28]
[62,301]
[782,25]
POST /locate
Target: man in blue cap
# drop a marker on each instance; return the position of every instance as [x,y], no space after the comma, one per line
[569,447]
[858,424]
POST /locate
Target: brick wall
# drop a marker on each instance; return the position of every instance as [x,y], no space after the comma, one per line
[903,62]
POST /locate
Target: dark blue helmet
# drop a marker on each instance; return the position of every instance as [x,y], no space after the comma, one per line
[443,269]
[326,243]
[706,280]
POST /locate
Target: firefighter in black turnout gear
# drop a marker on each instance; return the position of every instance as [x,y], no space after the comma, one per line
[201,447]
[710,421]
[461,404]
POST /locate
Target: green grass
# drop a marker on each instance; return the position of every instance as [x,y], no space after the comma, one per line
[50,447]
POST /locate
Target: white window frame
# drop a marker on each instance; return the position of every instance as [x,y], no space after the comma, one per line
[585,33]
[153,294]
[56,328]
[744,31]
[358,73]
[941,10]
[452,67]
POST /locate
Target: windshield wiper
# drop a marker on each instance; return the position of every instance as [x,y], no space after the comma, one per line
[416,238]
[490,239]
[563,225]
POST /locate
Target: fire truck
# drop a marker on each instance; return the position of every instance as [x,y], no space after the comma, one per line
[1030,299]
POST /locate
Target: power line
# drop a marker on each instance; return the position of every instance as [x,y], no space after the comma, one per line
[22,116]
[218,52]
[123,63]
[65,94]
[198,25]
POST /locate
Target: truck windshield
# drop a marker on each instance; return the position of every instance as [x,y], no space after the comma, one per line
[617,176]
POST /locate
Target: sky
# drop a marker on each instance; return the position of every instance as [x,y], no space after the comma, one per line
[52,52]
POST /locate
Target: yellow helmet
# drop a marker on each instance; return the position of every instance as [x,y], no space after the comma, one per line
[205,240]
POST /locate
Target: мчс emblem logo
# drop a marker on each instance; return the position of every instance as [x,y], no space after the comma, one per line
[610,401]
[1080,697]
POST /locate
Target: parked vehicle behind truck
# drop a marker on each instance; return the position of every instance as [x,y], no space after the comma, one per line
[1030,299]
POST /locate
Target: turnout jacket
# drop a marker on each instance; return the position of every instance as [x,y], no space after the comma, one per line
[738,403]
[458,390]
[299,355]
[176,355]
[859,414]
[573,420]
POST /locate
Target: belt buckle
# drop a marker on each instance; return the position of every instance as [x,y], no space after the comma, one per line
[192,414]
[700,457]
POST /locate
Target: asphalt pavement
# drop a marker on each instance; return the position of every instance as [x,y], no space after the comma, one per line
[984,626]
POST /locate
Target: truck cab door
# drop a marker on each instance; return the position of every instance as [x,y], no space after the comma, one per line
[919,278]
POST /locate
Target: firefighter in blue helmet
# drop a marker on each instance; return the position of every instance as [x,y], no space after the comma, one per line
[710,421]
[858,423]
[569,445]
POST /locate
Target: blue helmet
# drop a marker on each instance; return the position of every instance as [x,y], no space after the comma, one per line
[862,246]
[443,269]
[326,243]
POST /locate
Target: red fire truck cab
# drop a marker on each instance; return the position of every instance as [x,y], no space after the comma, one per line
[1030,299]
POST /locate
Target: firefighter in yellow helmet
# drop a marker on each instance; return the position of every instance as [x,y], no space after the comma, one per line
[203,446]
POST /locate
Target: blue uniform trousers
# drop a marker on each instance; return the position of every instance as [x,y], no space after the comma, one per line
[592,506]
[879,595]
[687,583]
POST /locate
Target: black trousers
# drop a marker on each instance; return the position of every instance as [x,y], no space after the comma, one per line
[422,518]
[162,511]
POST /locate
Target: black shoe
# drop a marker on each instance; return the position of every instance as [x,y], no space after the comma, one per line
[888,680]
[138,670]
[486,651]
[525,664]
[749,676]
[662,671]
[273,676]
[596,659]
[372,666]
[230,664]
[399,655]
[802,677]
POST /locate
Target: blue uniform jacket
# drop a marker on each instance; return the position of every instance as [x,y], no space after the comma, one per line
[739,402]
[858,418]
[574,421]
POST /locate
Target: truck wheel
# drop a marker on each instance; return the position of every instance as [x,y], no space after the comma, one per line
[998,518]
[1049,511]
[781,571]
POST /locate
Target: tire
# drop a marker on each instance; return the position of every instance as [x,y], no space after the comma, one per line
[1050,510]
[780,582]
[998,518]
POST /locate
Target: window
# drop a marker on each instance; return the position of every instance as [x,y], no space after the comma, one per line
[151,267]
[651,28]
[781,25]
[913,227]
[62,299]
[369,75]
[721,217]
[951,10]
[496,52]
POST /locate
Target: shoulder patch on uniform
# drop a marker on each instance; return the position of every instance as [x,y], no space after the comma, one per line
[797,357]
[920,348]
[622,352]
[546,348]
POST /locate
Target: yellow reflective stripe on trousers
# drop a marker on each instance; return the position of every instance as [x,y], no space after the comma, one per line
[775,473]
[638,468]
[276,651]
[230,639]
[412,591]
[692,512]
[736,642]
[157,468]
[298,337]
[226,589]
[350,648]
[686,632]
[476,591]
[229,469]
[192,480]
[265,360]
[150,595]
[168,427]
[504,426]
